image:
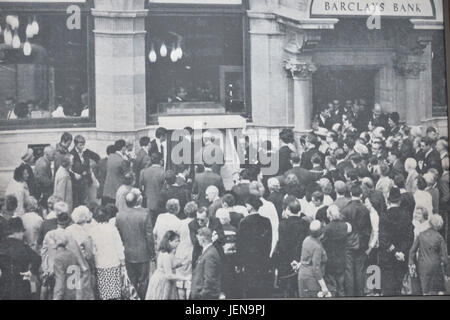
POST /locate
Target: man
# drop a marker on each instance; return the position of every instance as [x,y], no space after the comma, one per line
[203,220]
[100,170]
[237,213]
[140,156]
[207,274]
[28,160]
[10,105]
[304,176]
[136,230]
[159,144]
[174,191]
[167,221]
[276,195]
[293,231]
[341,190]
[115,169]
[253,245]
[204,180]
[6,214]
[81,166]
[358,216]
[152,182]
[396,238]
[284,153]
[241,190]
[407,198]
[212,195]
[397,167]
[377,117]
[43,174]
[432,159]
[312,147]
[62,148]
[318,209]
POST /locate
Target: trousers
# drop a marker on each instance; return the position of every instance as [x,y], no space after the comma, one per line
[355,265]
[139,276]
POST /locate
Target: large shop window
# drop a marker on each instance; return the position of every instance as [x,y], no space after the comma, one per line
[43,68]
[195,65]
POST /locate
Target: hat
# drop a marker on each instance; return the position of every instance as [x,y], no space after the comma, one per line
[63,218]
[15,225]
[394,195]
[28,156]
[254,201]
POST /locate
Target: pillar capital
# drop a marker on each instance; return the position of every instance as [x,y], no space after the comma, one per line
[409,69]
[299,70]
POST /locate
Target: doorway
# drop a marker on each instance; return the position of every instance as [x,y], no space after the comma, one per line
[333,84]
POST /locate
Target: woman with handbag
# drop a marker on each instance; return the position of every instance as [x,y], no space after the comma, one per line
[109,256]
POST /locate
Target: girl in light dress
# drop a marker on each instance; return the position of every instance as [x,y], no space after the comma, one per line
[162,284]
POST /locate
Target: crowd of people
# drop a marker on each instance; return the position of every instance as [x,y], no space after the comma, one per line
[360,190]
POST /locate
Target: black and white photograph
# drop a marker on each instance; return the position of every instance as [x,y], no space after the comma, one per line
[224,150]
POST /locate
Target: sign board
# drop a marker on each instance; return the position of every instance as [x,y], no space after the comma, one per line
[423,9]
[42,1]
[223,2]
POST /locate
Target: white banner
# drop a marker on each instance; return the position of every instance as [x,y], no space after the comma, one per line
[387,8]
[229,2]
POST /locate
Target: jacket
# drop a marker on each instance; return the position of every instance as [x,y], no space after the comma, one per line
[204,180]
[114,174]
[206,276]
[358,216]
[152,182]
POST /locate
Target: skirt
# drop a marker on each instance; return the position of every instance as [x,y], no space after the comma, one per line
[108,283]
[161,288]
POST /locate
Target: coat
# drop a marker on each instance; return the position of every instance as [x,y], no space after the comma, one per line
[152,182]
[63,187]
[241,193]
[114,175]
[432,160]
[358,216]
[204,180]
[139,164]
[136,230]
[43,175]
[65,263]
[206,276]
[284,156]
[305,177]
[214,225]
[82,166]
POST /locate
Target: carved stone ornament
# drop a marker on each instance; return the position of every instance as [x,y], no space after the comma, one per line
[298,41]
[298,69]
[408,68]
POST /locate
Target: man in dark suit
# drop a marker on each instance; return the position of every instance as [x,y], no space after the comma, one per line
[174,191]
[204,180]
[207,273]
[43,175]
[159,144]
[312,147]
[100,170]
[152,182]
[358,216]
[397,167]
[284,153]
[140,156]
[241,191]
[292,231]
[115,170]
[82,167]
[204,220]
[136,230]
[432,159]
[304,176]
[253,246]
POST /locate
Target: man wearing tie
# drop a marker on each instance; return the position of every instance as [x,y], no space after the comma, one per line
[159,144]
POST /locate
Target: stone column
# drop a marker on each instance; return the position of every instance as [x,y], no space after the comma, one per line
[120,64]
[301,72]
[410,70]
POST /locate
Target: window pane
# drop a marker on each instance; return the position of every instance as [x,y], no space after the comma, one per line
[208,78]
[46,77]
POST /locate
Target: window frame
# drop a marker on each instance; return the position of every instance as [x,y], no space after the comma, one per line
[68,122]
[205,10]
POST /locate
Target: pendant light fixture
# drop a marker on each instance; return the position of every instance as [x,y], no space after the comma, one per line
[163,50]
[29,32]
[27,48]
[152,55]
[35,26]
[174,55]
[7,36]
[16,40]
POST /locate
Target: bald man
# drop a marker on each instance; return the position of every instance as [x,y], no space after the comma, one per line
[43,175]
[212,195]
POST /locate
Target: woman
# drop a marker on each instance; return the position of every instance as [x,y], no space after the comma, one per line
[65,264]
[32,222]
[385,183]
[18,187]
[442,148]
[422,197]
[432,252]
[109,256]
[184,251]
[411,179]
[124,189]
[80,216]
[312,265]
[63,181]
[420,220]
[162,283]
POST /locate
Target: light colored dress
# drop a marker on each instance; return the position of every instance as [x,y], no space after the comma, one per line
[63,187]
[162,284]
[184,254]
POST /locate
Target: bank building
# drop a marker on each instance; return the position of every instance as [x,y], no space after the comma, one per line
[110,69]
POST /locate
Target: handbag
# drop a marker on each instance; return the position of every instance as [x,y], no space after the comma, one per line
[127,290]
[407,285]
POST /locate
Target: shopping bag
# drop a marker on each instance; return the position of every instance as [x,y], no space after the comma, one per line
[407,285]
[128,291]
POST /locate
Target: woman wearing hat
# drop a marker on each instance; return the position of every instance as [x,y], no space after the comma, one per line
[311,268]
[18,262]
